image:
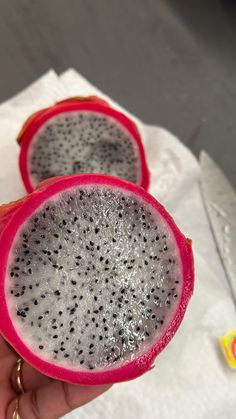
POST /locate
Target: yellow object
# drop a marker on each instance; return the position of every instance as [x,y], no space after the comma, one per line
[228,344]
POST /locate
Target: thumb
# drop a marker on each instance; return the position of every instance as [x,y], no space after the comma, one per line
[53,400]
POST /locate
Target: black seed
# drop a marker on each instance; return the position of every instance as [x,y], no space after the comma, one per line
[73,282]
[41,347]
[72,330]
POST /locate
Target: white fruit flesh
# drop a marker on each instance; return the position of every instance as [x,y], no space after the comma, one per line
[94,276]
[83,142]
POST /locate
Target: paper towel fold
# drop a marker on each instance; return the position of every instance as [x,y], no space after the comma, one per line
[190,379]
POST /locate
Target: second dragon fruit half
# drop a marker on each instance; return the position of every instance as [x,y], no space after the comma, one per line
[81,135]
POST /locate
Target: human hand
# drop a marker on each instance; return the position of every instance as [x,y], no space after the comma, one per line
[44,398]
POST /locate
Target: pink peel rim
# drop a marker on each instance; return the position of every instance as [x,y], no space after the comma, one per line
[40,118]
[133,368]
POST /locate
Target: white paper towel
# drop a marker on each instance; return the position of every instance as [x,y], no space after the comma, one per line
[190,379]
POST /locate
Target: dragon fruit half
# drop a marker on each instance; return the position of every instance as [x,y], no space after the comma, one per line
[81,135]
[95,278]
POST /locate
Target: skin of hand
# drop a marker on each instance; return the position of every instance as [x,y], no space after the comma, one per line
[44,398]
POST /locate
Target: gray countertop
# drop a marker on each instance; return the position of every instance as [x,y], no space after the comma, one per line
[171,63]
